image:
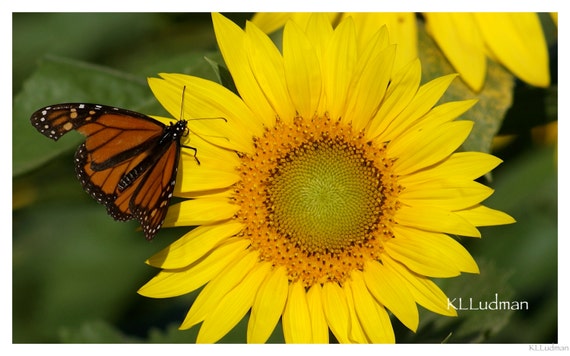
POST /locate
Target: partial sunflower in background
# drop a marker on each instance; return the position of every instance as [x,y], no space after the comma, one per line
[468,40]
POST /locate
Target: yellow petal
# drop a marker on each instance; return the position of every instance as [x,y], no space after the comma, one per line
[219,287]
[216,169]
[267,66]
[204,178]
[389,290]
[336,311]
[447,112]
[376,324]
[296,317]
[269,22]
[458,36]
[267,306]
[420,148]
[436,220]
[401,26]
[319,31]
[401,91]
[429,253]
[224,118]
[233,306]
[302,70]
[426,97]
[339,68]
[194,245]
[425,292]
[199,212]
[461,165]
[319,326]
[516,40]
[356,333]
[369,84]
[231,40]
[483,216]
[172,283]
[451,195]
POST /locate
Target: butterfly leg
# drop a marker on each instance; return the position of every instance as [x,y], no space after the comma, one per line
[195,153]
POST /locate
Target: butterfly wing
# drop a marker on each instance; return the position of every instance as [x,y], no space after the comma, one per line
[128,161]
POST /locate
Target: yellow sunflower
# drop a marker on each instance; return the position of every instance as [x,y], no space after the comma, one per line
[326,198]
[515,40]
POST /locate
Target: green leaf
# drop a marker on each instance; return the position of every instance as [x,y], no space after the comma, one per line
[223,75]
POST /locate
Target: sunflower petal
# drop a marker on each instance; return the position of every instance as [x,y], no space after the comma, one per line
[458,36]
[210,297]
[369,86]
[175,282]
[517,41]
[231,40]
[377,325]
[223,118]
[356,333]
[391,292]
[319,327]
[429,253]
[459,166]
[401,91]
[336,311]
[339,68]
[446,194]
[296,317]
[199,212]
[267,306]
[194,245]
[426,97]
[425,292]
[302,70]
[483,216]
[436,220]
[267,67]
[233,306]
[418,149]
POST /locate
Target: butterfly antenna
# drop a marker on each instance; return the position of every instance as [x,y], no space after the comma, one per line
[201,118]
[182,104]
[181,118]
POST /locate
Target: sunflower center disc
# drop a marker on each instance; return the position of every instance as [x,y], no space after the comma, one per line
[325,196]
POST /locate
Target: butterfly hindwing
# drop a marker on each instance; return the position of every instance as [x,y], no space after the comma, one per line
[128,161]
[150,203]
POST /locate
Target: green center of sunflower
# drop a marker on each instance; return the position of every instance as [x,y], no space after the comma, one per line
[316,198]
[324,196]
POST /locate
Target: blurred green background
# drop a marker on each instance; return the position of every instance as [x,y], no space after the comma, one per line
[76,271]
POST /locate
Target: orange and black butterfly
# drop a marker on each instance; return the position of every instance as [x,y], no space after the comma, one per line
[128,161]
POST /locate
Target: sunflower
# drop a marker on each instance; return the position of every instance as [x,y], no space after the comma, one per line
[515,40]
[326,196]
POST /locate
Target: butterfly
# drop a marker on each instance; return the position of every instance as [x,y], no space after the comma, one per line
[128,161]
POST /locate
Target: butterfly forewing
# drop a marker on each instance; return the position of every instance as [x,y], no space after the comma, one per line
[128,161]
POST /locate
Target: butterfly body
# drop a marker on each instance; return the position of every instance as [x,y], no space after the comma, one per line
[128,161]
